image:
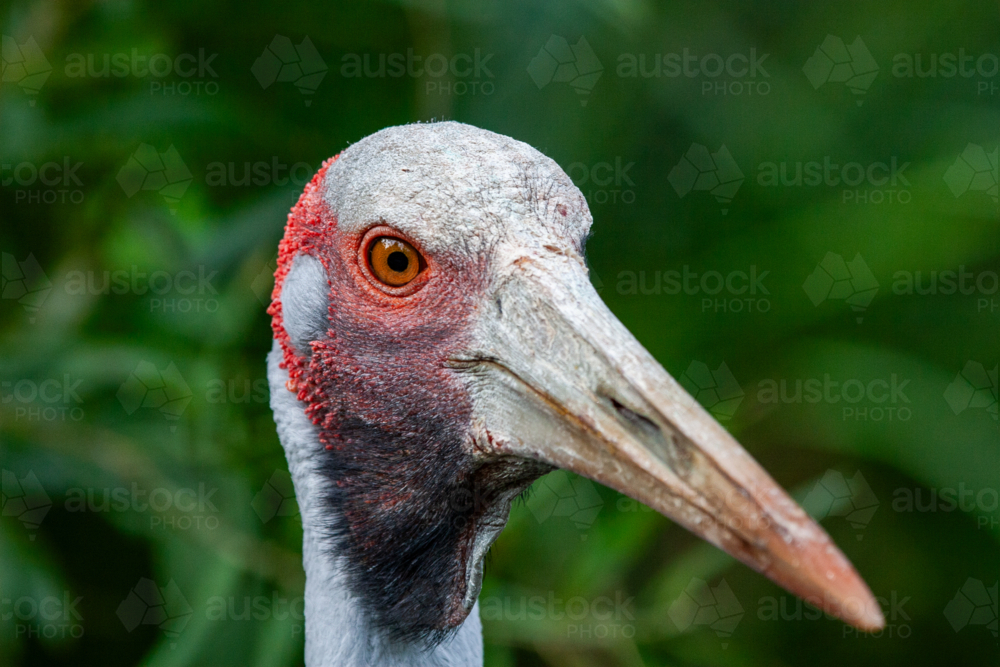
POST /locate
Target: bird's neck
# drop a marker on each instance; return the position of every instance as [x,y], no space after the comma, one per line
[337,630]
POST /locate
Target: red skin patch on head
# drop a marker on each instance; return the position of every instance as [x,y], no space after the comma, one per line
[306,221]
[378,342]
[393,419]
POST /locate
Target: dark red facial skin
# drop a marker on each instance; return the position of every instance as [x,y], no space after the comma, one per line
[384,340]
[394,422]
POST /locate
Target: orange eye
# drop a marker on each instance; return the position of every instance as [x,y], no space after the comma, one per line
[394,261]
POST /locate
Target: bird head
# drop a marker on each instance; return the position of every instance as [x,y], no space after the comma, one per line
[434,315]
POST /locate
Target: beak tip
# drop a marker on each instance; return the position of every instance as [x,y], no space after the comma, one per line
[853,602]
[817,571]
[871,618]
[868,619]
[874,622]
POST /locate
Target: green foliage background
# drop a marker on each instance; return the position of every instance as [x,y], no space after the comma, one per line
[225,440]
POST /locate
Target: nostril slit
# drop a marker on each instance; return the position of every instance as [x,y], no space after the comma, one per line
[634,417]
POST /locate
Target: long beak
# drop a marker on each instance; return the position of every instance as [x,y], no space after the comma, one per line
[557,378]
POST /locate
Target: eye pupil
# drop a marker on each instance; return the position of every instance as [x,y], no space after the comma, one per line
[397,261]
[393,261]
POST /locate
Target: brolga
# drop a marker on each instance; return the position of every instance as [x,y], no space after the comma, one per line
[438,347]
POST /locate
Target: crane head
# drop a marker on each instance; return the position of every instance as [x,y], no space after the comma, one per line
[433,312]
